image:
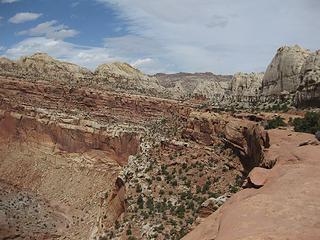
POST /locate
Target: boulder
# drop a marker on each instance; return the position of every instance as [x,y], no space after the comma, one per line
[211,205]
[258,176]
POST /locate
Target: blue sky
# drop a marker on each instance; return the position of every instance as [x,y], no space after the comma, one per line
[221,36]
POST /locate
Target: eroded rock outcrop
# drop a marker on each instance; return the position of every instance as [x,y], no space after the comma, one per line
[247,138]
[188,85]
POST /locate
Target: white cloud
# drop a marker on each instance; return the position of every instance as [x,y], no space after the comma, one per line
[141,62]
[9,1]
[187,35]
[212,35]
[2,48]
[83,55]
[24,17]
[50,29]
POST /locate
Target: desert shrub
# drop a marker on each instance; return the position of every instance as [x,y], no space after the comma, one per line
[140,202]
[198,189]
[180,211]
[206,186]
[174,183]
[190,205]
[138,188]
[150,204]
[275,123]
[309,124]
[234,189]
[117,224]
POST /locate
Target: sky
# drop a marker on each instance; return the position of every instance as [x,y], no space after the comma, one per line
[220,36]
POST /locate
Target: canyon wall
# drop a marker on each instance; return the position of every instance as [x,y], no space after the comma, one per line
[65,146]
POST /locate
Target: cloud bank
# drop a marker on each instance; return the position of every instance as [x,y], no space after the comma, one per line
[213,35]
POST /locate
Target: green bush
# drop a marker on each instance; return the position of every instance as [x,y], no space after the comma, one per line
[138,188]
[180,211]
[309,124]
[140,202]
[275,123]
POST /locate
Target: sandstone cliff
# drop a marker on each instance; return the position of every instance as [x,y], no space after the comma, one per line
[309,90]
[282,75]
[246,88]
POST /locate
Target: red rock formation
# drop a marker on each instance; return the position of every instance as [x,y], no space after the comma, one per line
[286,207]
[246,137]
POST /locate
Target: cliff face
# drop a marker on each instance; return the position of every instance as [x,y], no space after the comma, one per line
[308,93]
[282,75]
[65,146]
[246,88]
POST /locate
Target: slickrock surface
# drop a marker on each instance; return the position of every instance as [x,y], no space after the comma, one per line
[286,207]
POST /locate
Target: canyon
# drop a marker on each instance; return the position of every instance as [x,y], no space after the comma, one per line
[118,154]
